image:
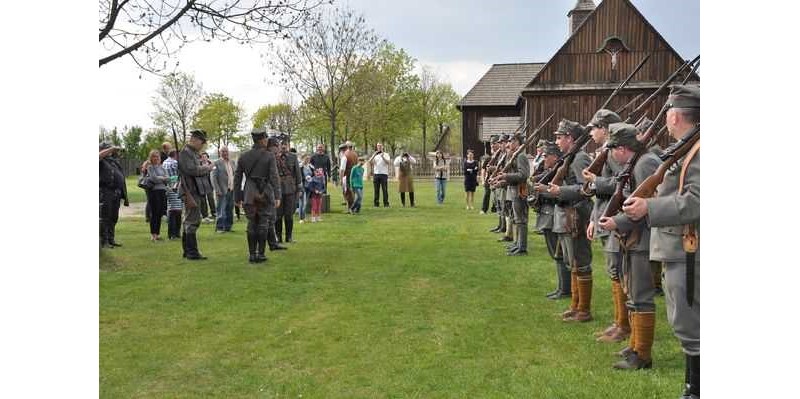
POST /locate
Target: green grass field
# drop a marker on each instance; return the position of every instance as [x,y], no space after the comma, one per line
[392,303]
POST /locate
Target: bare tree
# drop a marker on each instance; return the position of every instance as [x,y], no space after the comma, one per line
[176,101]
[427,83]
[320,60]
[152,31]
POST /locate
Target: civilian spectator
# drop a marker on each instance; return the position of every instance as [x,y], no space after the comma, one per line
[222,179]
[404,164]
[317,189]
[307,170]
[470,178]
[440,174]
[207,203]
[166,147]
[174,201]
[357,183]
[379,164]
[321,160]
[157,195]
[348,159]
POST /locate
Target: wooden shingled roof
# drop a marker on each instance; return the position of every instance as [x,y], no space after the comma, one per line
[501,85]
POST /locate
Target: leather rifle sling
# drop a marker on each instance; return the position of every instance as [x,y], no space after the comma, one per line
[689,232]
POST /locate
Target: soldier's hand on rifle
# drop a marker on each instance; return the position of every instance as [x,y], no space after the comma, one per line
[540,188]
[635,208]
[590,231]
[607,223]
[589,176]
[553,189]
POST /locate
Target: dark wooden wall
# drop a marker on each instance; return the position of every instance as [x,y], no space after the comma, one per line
[579,62]
[471,116]
[580,107]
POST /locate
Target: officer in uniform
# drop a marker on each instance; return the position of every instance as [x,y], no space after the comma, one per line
[274,147]
[634,240]
[544,207]
[291,181]
[570,221]
[112,190]
[674,218]
[194,186]
[603,187]
[261,195]
[515,180]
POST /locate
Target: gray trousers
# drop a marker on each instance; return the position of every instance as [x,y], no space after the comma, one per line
[191,216]
[639,281]
[685,320]
[520,209]
[578,250]
[259,218]
[613,261]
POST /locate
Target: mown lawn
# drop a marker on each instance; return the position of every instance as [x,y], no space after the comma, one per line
[392,303]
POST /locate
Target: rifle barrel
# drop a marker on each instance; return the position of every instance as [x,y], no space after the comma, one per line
[625,82]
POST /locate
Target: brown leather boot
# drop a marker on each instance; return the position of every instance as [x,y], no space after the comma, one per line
[573,306]
[644,327]
[618,335]
[584,313]
[622,309]
[632,342]
[613,327]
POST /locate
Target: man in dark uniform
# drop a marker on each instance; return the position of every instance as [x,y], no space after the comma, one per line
[516,179]
[112,190]
[674,218]
[261,195]
[194,187]
[274,147]
[545,208]
[291,181]
[570,220]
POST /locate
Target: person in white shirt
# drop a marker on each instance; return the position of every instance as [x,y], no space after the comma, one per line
[379,165]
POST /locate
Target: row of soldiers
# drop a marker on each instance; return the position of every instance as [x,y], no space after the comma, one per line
[663,229]
[272,181]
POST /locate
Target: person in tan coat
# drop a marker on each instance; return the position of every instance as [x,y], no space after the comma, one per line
[404,164]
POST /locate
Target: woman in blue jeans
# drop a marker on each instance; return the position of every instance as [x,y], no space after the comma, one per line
[307,171]
[440,173]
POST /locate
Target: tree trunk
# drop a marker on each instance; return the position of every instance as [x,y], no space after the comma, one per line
[424,144]
[333,138]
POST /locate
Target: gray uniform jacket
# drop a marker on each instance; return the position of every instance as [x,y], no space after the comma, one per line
[605,185]
[293,182]
[570,194]
[257,164]
[668,212]
[193,174]
[219,178]
[517,174]
[645,166]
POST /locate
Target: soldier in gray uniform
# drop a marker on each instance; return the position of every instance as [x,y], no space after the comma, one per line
[496,147]
[291,184]
[516,179]
[194,186]
[570,221]
[261,193]
[674,217]
[544,206]
[603,187]
[504,200]
[635,249]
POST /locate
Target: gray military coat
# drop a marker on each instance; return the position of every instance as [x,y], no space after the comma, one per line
[193,175]
[669,211]
[571,196]
[257,164]
[605,185]
[292,182]
[517,174]
[645,166]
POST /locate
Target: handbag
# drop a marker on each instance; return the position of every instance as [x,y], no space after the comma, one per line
[144,183]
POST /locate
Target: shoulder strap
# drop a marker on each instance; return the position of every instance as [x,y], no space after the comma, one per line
[685,166]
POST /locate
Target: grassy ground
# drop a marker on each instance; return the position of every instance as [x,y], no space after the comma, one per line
[392,303]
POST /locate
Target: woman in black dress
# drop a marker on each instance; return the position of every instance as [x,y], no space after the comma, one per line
[470,178]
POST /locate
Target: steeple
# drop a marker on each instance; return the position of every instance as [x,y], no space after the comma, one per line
[578,14]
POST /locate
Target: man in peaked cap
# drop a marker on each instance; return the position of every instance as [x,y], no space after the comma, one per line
[485,159]
[635,250]
[674,217]
[516,181]
[291,181]
[503,203]
[112,191]
[603,188]
[498,146]
[195,186]
[261,194]
[570,221]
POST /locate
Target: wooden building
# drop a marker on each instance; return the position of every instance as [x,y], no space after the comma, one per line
[606,43]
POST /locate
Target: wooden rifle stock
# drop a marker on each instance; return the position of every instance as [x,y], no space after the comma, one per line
[647,188]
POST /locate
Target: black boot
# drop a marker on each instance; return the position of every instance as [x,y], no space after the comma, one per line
[566,282]
[112,229]
[279,230]
[273,241]
[557,292]
[191,243]
[289,226]
[251,247]
[522,240]
[262,245]
[403,199]
[183,244]
[411,197]
[692,390]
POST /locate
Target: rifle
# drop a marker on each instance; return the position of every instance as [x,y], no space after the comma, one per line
[528,141]
[625,82]
[647,188]
[596,167]
[631,102]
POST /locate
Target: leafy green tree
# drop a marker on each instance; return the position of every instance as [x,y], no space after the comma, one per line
[131,142]
[220,118]
[153,140]
[281,117]
[176,101]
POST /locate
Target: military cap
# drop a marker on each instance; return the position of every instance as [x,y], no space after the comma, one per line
[552,149]
[519,137]
[200,134]
[644,125]
[505,137]
[104,145]
[283,137]
[604,117]
[541,143]
[258,133]
[684,96]
[569,127]
[272,141]
[494,138]
[623,134]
